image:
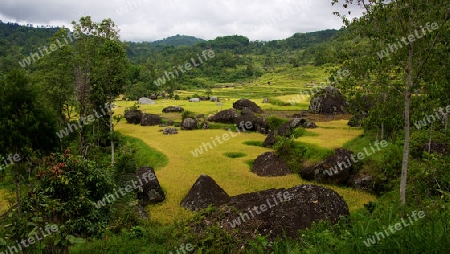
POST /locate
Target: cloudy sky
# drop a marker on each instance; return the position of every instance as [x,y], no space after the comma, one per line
[149,20]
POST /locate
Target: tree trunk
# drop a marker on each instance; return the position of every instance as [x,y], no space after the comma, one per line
[111,126]
[407,125]
[429,142]
[19,204]
[111,130]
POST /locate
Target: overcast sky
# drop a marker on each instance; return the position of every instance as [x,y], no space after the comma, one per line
[149,20]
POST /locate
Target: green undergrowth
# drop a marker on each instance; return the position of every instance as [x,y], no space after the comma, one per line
[254,143]
[234,155]
[145,155]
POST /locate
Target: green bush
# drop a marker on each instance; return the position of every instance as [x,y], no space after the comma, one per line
[278,102]
[430,177]
[254,143]
[275,122]
[419,138]
[290,152]
[234,155]
[387,170]
[187,114]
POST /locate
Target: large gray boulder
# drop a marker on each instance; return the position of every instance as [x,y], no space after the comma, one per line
[203,193]
[149,191]
[133,116]
[246,103]
[194,100]
[246,120]
[329,101]
[224,116]
[150,120]
[275,212]
[336,169]
[189,124]
[173,109]
[268,164]
[146,101]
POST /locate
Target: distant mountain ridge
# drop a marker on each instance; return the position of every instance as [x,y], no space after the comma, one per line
[178,40]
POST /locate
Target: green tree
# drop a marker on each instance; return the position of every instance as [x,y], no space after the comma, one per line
[27,125]
[401,58]
[110,80]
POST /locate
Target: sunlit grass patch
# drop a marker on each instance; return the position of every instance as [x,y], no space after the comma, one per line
[233,175]
[333,134]
[4,196]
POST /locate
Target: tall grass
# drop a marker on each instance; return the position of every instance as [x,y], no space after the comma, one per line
[146,155]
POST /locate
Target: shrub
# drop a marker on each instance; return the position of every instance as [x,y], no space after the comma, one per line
[187,114]
[234,155]
[430,177]
[254,143]
[420,138]
[275,122]
[290,152]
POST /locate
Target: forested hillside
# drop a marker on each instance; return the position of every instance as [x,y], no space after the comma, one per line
[18,41]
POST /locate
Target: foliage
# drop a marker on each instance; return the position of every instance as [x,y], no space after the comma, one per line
[254,143]
[420,140]
[290,152]
[234,155]
[275,122]
[431,177]
[187,114]
[177,40]
[64,193]
[28,122]
[143,155]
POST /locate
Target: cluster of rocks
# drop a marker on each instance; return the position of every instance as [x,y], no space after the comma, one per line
[340,169]
[282,212]
[248,119]
[173,109]
[329,101]
[137,117]
[170,131]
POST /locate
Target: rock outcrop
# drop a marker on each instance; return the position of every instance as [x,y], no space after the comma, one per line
[149,191]
[150,120]
[268,164]
[203,193]
[246,103]
[173,109]
[329,101]
[335,169]
[133,116]
[224,116]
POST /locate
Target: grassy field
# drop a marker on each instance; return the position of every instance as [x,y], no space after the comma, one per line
[232,174]
[178,169]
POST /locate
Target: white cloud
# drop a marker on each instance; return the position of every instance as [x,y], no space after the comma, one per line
[156,19]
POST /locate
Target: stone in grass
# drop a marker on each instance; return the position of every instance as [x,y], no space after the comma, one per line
[150,192]
[268,164]
[203,193]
